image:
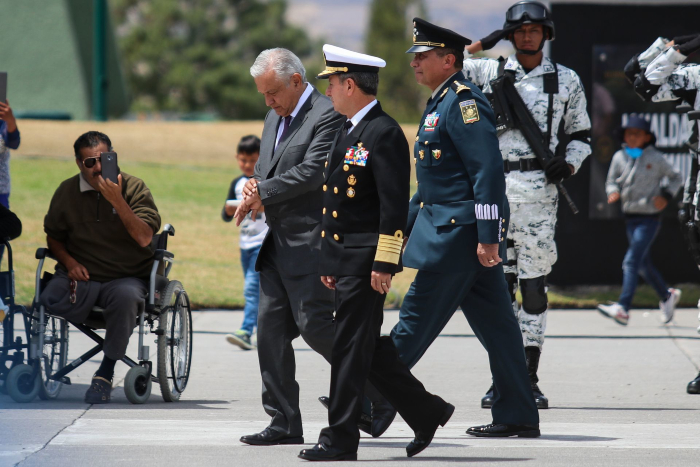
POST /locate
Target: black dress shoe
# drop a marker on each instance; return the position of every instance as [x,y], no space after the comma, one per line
[694,386]
[423,439]
[383,414]
[321,452]
[504,431]
[270,437]
[487,400]
[325,401]
[365,421]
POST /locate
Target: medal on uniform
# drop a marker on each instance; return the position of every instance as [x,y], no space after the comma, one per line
[356,155]
[421,153]
[437,153]
[350,192]
[431,121]
[352,180]
[470,113]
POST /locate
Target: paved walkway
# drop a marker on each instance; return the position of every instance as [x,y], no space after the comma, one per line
[617,396]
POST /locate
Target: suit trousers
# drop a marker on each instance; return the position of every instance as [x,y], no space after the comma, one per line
[290,306]
[123,300]
[359,353]
[483,296]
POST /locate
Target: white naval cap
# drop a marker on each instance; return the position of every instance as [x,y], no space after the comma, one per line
[339,60]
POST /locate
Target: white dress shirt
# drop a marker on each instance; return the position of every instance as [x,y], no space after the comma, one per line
[361,114]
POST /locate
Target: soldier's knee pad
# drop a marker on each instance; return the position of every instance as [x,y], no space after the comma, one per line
[534,295]
[512,281]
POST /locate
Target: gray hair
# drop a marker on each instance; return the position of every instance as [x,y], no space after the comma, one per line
[282,61]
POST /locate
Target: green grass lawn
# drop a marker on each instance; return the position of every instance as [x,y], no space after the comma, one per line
[190,198]
[206,248]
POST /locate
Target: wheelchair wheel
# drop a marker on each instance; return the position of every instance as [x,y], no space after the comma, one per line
[137,385]
[54,356]
[175,342]
[6,339]
[22,383]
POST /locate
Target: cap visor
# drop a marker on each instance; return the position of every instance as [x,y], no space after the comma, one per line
[419,48]
[326,74]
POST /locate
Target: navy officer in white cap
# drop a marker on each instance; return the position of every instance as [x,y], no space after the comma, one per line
[365,211]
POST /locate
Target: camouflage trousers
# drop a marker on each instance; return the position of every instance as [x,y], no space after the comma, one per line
[531,254]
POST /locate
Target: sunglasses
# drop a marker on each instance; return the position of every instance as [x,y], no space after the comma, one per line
[73,290]
[91,161]
[533,12]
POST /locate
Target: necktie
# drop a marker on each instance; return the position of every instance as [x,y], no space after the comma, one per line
[285,125]
[345,129]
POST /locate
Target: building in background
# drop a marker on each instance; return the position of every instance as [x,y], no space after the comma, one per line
[48,55]
[596,40]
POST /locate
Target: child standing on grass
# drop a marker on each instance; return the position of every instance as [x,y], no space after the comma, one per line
[252,235]
[635,177]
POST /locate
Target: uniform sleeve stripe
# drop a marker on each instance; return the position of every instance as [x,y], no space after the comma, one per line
[486,212]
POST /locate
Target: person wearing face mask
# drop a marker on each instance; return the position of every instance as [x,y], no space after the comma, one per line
[635,178]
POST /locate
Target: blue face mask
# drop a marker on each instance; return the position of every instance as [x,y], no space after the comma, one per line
[634,153]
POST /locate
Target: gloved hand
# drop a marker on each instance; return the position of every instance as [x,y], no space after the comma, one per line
[690,46]
[632,69]
[684,214]
[557,169]
[680,40]
[492,39]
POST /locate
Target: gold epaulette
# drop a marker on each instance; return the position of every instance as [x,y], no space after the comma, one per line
[458,87]
[389,248]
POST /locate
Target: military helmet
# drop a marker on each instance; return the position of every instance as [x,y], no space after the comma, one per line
[528,12]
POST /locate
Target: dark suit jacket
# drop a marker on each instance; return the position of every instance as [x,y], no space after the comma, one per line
[289,181]
[366,198]
[461,198]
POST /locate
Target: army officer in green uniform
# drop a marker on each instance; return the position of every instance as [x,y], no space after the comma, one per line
[456,231]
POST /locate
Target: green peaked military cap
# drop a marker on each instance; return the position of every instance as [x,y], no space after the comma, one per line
[427,36]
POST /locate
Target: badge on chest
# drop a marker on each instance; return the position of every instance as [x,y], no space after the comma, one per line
[356,155]
[431,121]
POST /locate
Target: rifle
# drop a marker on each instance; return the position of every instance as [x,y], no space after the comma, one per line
[511,112]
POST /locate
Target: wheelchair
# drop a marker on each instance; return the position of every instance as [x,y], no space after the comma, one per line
[11,347]
[167,314]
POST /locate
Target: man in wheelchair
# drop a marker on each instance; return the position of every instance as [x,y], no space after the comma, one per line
[100,233]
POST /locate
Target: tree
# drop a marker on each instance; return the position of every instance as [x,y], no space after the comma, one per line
[195,55]
[389,36]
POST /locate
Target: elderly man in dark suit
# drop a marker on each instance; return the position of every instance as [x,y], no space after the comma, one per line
[296,138]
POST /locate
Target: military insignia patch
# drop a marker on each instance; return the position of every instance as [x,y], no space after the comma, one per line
[470,113]
[431,121]
[350,192]
[437,154]
[548,68]
[352,180]
[421,154]
[356,155]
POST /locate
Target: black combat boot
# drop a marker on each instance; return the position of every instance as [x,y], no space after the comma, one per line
[532,355]
[694,386]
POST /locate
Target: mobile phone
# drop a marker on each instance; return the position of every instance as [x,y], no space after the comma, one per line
[3,86]
[110,169]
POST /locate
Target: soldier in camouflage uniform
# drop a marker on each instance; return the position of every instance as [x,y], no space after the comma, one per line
[530,187]
[659,74]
